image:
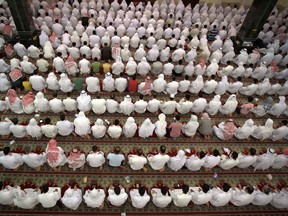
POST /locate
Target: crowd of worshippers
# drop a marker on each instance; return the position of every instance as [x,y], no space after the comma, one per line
[30,103]
[181,195]
[176,128]
[157,159]
[171,33]
[28,195]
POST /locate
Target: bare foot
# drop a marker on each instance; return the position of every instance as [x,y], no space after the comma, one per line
[101,168]
[145,169]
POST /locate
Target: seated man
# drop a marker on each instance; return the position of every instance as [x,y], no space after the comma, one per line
[280,199]
[158,161]
[95,197]
[49,196]
[201,195]
[137,161]
[76,159]
[195,161]
[228,162]
[6,194]
[247,159]
[115,130]
[34,159]
[116,158]
[221,195]
[26,198]
[48,129]
[262,197]
[96,158]
[242,196]
[11,160]
[161,197]
[72,197]
[139,197]
[181,196]
[225,130]
[117,195]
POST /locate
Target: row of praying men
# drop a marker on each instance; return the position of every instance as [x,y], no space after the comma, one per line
[31,103]
[82,126]
[121,84]
[136,159]
[28,195]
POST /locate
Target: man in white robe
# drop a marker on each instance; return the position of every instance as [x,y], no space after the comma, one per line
[278,108]
[181,197]
[49,196]
[201,195]
[280,132]
[115,130]
[139,197]
[112,105]
[168,107]
[11,160]
[212,160]
[84,65]
[280,199]
[33,52]
[35,160]
[126,106]
[153,104]
[92,83]
[263,197]
[221,196]
[137,161]
[56,104]
[64,127]
[38,82]
[247,159]
[228,162]
[178,54]
[184,84]
[96,158]
[65,83]
[117,195]
[242,197]
[159,85]
[108,83]
[94,198]
[158,161]
[72,198]
[82,125]
[17,130]
[160,197]
[49,130]
[7,194]
[98,105]
[121,83]
[210,85]
[84,102]
[195,162]
[20,49]
[140,105]
[42,64]
[199,104]
[265,160]
[26,66]
[172,87]
[69,103]
[184,106]
[27,198]
[143,67]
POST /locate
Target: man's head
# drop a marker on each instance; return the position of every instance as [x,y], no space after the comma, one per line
[234,155]
[15,121]
[116,122]
[205,188]
[117,150]
[216,153]
[202,154]
[139,152]
[177,117]
[47,121]
[55,94]
[252,151]
[117,190]
[164,190]
[185,188]
[249,189]
[45,188]
[6,150]
[162,149]
[226,187]
[94,148]
[141,190]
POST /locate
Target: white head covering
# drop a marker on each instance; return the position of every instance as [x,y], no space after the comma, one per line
[146,129]
[177,162]
[129,127]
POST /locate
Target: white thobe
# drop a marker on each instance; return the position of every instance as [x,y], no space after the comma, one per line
[38,82]
[69,104]
[34,160]
[18,131]
[92,84]
[160,200]
[7,195]
[136,162]
[264,161]
[114,131]
[184,106]
[27,198]
[139,201]
[153,105]
[94,198]
[84,102]
[179,198]
[220,197]
[211,161]
[12,161]
[280,199]
[117,200]
[95,159]
[198,197]
[241,198]
[281,160]
[112,105]
[98,105]
[56,105]
[168,107]
[121,84]
[72,198]
[157,162]
[64,127]
[199,105]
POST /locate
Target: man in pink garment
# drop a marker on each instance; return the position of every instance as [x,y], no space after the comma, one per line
[175,127]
